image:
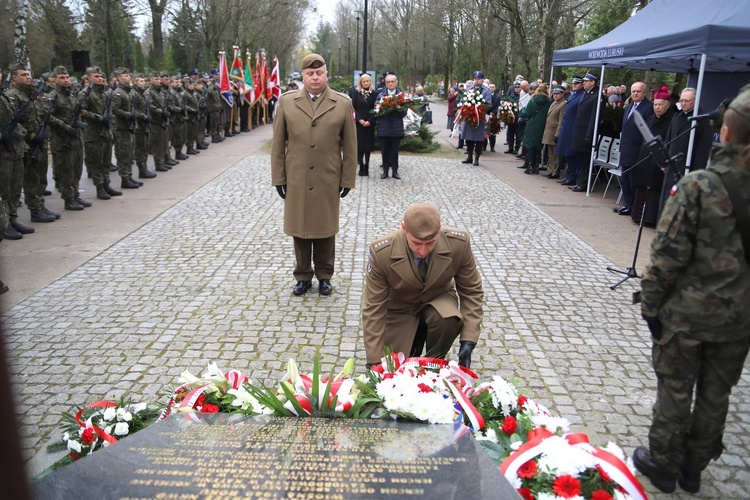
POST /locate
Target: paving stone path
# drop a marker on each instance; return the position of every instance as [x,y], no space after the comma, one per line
[210,280]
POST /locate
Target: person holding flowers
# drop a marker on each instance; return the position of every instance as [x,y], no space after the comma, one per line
[472,108]
[390,108]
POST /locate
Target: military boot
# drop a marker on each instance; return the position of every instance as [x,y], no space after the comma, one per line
[72,205]
[102,194]
[179,155]
[192,151]
[161,168]
[82,202]
[201,145]
[395,174]
[216,138]
[128,183]
[144,173]
[39,215]
[111,191]
[50,212]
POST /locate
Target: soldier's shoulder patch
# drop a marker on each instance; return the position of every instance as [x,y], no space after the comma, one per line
[117,92]
[344,95]
[456,233]
[674,190]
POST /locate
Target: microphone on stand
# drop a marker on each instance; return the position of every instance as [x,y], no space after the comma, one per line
[713,115]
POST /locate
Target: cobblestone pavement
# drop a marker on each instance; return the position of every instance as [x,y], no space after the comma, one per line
[173,295]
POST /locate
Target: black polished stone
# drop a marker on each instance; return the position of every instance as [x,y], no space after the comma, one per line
[225,456]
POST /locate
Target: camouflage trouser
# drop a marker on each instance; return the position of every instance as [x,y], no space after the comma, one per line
[124,153]
[213,123]
[11,182]
[677,436]
[67,164]
[98,156]
[178,134]
[157,142]
[3,217]
[140,150]
[35,179]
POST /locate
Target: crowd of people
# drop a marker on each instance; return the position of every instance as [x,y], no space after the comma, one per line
[552,129]
[124,116]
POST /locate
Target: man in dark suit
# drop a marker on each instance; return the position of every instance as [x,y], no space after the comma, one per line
[583,131]
[631,141]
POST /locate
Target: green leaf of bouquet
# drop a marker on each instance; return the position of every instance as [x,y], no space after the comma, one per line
[301,412]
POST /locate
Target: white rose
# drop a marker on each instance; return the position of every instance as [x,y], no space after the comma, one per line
[74,446]
[66,436]
[109,414]
[108,429]
[121,429]
[127,416]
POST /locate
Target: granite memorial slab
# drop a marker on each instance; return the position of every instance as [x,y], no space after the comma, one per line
[230,456]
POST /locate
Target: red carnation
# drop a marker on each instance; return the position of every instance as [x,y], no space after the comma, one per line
[424,387]
[525,493]
[422,362]
[603,473]
[601,495]
[209,408]
[200,400]
[74,456]
[528,470]
[566,486]
[510,424]
[522,400]
[88,435]
[388,375]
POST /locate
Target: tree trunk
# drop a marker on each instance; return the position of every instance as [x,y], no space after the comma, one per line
[157,16]
[21,51]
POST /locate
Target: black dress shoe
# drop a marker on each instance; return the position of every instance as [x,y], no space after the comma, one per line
[325,287]
[624,211]
[476,162]
[11,233]
[578,189]
[301,287]
[553,176]
[508,152]
[644,462]
[384,175]
[72,205]
[47,192]
[396,176]
[83,203]
[468,161]
[568,183]
[492,149]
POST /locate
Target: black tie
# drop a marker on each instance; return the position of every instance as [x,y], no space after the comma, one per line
[315,98]
[422,268]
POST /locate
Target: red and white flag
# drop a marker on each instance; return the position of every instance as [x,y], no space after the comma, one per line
[224,88]
[273,83]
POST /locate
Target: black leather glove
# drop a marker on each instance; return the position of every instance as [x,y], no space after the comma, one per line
[555,140]
[282,191]
[464,353]
[344,191]
[654,325]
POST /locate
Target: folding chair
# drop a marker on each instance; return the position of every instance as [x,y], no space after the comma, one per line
[602,156]
[614,169]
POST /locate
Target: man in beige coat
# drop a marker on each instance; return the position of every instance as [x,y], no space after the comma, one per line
[422,286]
[552,131]
[313,165]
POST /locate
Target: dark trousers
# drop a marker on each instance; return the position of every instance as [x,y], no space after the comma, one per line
[389,150]
[520,129]
[320,251]
[436,332]
[626,182]
[510,136]
[584,158]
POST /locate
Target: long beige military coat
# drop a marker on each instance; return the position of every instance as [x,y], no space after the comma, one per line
[395,294]
[554,122]
[314,153]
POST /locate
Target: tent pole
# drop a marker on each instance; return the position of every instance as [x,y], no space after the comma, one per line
[551,73]
[698,90]
[596,131]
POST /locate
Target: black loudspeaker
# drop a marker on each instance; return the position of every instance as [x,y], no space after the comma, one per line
[80,60]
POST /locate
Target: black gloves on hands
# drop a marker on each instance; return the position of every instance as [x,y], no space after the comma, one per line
[344,191]
[654,325]
[282,191]
[464,353]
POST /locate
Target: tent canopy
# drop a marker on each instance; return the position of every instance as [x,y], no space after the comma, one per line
[671,36]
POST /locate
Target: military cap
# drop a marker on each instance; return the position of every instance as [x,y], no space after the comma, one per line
[16,67]
[46,76]
[164,74]
[194,72]
[204,75]
[577,79]
[558,90]
[60,70]
[478,74]
[153,74]
[422,220]
[741,104]
[313,61]
[120,71]
[93,69]
[137,75]
[214,71]
[516,84]
[591,77]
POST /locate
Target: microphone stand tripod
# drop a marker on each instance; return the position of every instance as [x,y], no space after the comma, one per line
[661,157]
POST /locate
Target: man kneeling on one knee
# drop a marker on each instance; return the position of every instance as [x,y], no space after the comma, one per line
[423,289]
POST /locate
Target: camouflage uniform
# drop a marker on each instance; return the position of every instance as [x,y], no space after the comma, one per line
[698,285]
[121,107]
[11,160]
[191,134]
[155,96]
[141,138]
[214,109]
[180,123]
[97,136]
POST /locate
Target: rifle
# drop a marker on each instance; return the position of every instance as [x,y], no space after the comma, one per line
[165,111]
[105,115]
[183,111]
[133,112]
[42,135]
[74,122]
[9,132]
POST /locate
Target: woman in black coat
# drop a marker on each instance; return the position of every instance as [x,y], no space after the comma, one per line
[363,100]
